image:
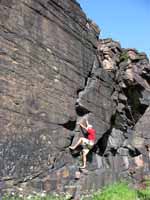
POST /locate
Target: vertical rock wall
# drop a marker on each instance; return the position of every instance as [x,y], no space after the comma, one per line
[46,54]
[54,72]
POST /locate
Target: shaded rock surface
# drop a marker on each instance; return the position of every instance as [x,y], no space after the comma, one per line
[54,73]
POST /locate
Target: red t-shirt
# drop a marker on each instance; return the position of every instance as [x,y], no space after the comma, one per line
[91,134]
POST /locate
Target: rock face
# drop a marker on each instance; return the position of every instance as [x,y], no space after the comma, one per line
[54,73]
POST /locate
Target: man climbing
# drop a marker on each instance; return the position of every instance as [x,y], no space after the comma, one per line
[87,143]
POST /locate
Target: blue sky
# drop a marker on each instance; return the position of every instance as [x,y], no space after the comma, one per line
[127,21]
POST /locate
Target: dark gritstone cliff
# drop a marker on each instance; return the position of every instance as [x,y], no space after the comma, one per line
[55,72]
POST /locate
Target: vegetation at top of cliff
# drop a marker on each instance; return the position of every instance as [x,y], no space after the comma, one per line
[124,56]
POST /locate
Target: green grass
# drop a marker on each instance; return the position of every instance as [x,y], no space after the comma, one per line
[144,194]
[118,191]
[121,191]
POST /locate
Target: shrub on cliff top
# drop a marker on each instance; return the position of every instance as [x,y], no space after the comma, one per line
[124,57]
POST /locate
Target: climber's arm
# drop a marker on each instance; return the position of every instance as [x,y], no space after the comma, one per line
[83,126]
[87,123]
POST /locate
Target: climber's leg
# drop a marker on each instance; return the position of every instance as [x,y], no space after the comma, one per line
[85,152]
[80,141]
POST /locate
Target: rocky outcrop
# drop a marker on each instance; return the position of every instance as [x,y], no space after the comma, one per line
[55,72]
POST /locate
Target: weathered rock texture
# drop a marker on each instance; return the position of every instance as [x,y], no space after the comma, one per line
[54,72]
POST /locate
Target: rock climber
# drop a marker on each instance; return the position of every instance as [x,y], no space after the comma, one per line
[87,143]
